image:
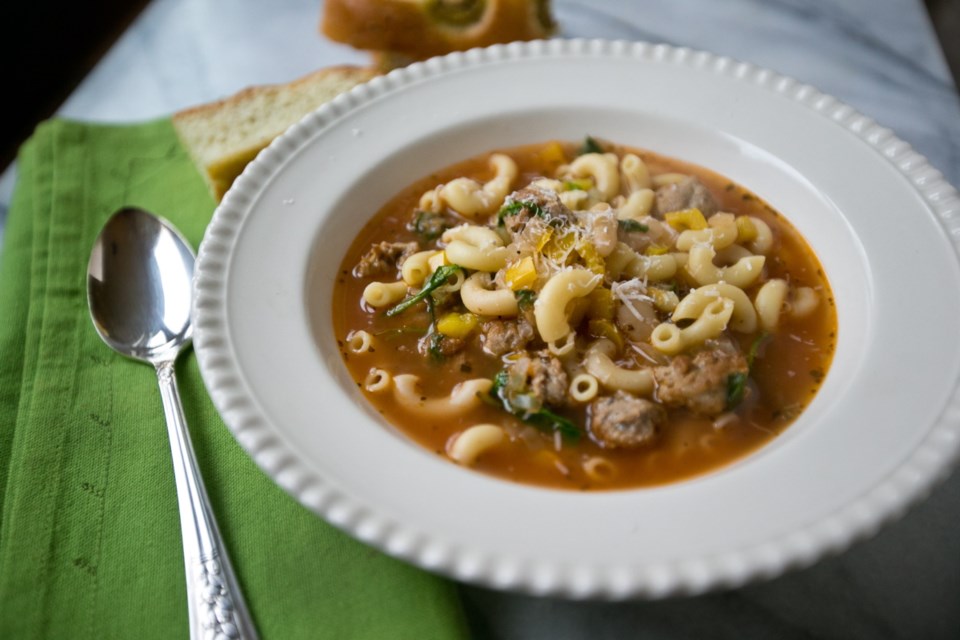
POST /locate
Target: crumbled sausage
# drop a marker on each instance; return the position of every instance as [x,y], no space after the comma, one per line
[544,376]
[384,257]
[699,383]
[624,421]
[437,345]
[546,200]
[505,336]
[689,193]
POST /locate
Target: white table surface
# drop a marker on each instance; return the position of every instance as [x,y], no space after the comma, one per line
[880,56]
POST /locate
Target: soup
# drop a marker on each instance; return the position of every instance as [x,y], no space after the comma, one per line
[584,317]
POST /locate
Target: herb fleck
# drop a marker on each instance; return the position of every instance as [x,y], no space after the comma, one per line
[525,298]
[513,208]
[736,387]
[631,226]
[589,146]
[428,225]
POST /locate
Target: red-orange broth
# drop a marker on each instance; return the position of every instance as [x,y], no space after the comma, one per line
[788,366]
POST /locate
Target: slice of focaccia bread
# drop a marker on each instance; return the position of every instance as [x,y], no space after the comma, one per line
[418,29]
[223,136]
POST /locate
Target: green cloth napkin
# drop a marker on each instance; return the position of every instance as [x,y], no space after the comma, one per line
[90,535]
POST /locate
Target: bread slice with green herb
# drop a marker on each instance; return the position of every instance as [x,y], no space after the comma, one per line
[405,30]
[223,136]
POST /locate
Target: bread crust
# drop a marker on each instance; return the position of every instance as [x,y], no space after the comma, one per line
[247,93]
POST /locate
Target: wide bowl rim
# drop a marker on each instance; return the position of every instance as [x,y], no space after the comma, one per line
[929,463]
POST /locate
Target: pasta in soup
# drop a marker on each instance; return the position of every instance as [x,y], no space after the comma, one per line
[584,317]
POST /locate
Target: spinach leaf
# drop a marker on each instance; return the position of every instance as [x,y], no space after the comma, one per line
[755,348]
[632,225]
[737,382]
[435,349]
[589,146]
[513,208]
[499,382]
[547,420]
[525,298]
[429,226]
[437,280]
[736,387]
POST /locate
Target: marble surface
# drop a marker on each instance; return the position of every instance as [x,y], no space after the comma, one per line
[880,56]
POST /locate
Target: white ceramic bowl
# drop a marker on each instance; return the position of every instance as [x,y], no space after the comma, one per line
[883,428]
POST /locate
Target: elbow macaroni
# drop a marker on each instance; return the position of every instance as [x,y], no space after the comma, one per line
[464,397]
[603,168]
[701,268]
[769,303]
[803,302]
[584,387]
[721,233]
[601,366]
[550,308]
[471,199]
[417,267]
[360,341]
[653,268]
[744,319]
[599,469]
[470,443]
[671,339]
[763,243]
[483,301]
[624,261]
[636,175]
[475,247]
[380,294]
[377,380]
[637,205]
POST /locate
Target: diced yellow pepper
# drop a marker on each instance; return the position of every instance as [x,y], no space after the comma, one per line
[606,329]
[559,247]
[601,304]
[746,230]
[581,184]
[545,238]
[522,274]
[457,325]
[686,219]
[591,258]
[552,154]
[656,250]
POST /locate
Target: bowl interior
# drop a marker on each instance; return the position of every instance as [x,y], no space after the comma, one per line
[783,187]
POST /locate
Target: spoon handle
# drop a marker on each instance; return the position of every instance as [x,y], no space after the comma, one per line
[216,605]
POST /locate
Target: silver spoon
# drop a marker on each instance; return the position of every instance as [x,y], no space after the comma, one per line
[139,284]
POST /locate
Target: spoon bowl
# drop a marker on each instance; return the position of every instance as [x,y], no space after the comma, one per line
[139,286]
[139,289]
